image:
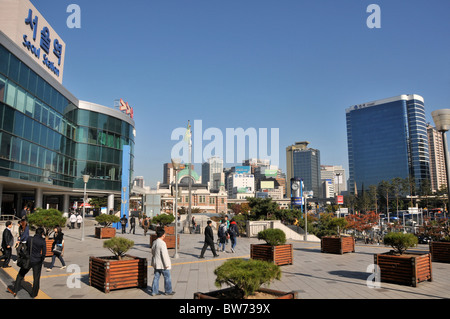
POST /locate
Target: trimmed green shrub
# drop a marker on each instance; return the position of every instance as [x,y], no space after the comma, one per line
[272,236]
[246,275]
[118,246]
[106,220]
[163,219]
[47,219]
[400,241]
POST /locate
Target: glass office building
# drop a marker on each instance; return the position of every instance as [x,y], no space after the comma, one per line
[387,139]
[49,138]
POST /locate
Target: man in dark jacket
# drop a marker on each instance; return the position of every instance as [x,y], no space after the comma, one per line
[209,240]
[37,249]
[7,244]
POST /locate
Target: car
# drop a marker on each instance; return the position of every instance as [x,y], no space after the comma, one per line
[424,239]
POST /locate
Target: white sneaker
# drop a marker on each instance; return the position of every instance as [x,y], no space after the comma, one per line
[63,267]
[48,269]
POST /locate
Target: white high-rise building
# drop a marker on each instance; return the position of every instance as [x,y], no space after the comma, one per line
[212,166]
[240,186]
[334,178]
[437,159]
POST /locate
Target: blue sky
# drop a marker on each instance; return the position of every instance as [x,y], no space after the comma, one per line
[288,64]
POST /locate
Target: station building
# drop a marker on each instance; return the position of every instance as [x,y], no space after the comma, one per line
[49,138]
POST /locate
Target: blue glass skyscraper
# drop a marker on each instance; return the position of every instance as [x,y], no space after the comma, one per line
[387,139]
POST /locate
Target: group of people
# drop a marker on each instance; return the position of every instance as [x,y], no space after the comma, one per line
[31,252]
[75,218]
[227,230]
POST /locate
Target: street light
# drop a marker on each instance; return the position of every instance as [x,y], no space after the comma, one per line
[176,164]
[85,180]
[441,119]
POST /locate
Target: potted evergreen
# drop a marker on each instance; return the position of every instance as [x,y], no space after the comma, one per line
[439,231]
[337,242]
[120,270]
[105,230]
[164,221]
[48,219]
[401,267]
[275,249]
[245,278]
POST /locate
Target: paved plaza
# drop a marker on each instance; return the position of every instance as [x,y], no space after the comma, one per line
[314,275]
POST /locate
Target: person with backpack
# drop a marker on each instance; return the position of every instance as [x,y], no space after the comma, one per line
[145,225]
[234,233]
[222,234]
[123,222]
[34,258]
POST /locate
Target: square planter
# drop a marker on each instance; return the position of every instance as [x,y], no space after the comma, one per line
[108,273]
[440,251]
[48,245]
[279,255]
[232,293]
[337,244]
[105,232]
[407,269]
[169,240]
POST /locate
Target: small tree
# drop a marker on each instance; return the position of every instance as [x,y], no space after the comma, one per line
[118,246]
[272,236]
[107,220]
[163,219]
[47,219]
[246,275]
[400,241]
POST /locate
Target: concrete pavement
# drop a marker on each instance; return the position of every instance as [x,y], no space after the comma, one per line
[314,275]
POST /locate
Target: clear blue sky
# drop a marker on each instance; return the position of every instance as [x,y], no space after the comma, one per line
[287,64]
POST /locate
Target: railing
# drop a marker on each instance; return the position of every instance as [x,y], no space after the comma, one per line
[8,217]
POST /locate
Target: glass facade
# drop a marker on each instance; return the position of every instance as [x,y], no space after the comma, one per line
[306,165]
[46,138]
[387,140]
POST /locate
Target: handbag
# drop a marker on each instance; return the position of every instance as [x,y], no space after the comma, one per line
[58,249]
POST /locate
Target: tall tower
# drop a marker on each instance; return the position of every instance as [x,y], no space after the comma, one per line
[303,162]
[386,139]
[437,159]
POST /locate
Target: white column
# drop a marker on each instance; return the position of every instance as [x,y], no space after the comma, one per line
[38,198]
[110,202]
[66,204]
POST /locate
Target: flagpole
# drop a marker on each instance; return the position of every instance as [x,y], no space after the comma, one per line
[190,181]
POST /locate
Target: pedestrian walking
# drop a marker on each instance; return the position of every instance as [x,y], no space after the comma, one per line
[73,220]
[57,248]
[161,264]
[132,224]
[79,220]
[145,225]
[7,244]
[123,222]
[24,233]
[36,249]
[222,234]
[209,241]
[234,233]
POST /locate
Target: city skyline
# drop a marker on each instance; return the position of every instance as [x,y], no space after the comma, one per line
[285,65]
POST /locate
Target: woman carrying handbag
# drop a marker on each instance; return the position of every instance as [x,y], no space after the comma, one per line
[57,248]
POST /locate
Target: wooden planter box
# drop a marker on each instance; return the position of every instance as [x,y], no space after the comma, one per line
[407,269]
[105,232]
[337,245]
[440,251]
[279,255]
[169,240]
[231,293]
[108,273]
[48,245]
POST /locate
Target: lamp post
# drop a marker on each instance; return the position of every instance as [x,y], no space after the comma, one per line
[176,163]
[441,119]
[85,180]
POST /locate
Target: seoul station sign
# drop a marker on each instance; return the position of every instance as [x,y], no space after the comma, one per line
[27,28]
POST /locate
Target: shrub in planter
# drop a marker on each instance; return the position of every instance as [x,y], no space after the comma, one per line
[164,220]
[48,219]
[106,230]
[400,267]
[400,242]
[245,278]
[275,250]
[118,271]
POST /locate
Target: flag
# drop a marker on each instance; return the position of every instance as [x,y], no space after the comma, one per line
[187,135]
